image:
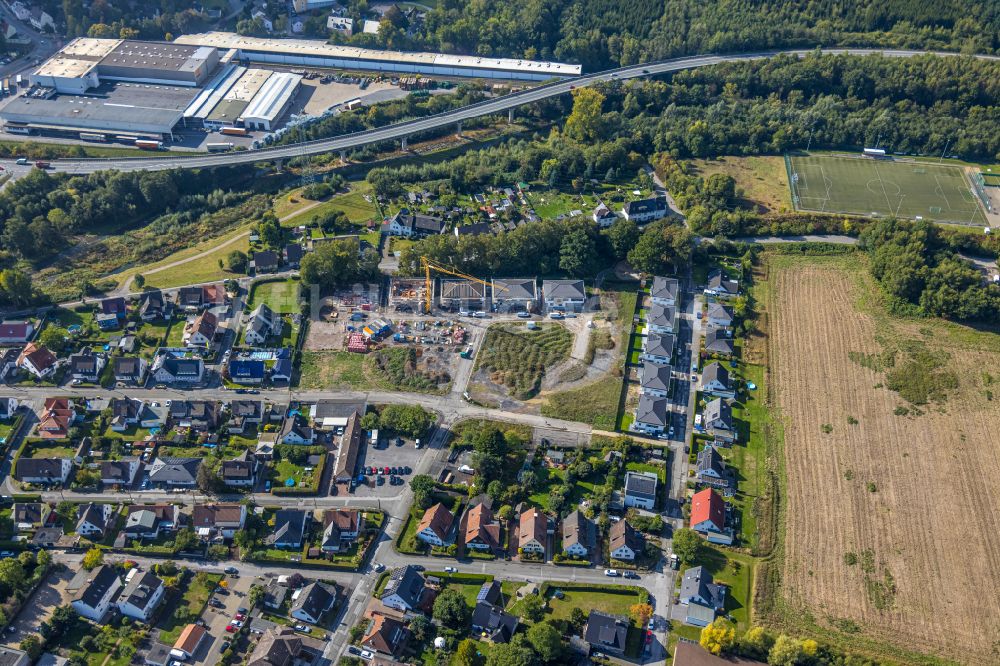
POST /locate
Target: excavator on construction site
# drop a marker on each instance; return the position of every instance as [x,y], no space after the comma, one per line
[430,265]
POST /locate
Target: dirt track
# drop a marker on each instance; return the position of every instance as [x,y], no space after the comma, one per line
[927,539]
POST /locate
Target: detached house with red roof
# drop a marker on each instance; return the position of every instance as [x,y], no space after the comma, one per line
[435,526]
[37,360]
[708,517]
[56,418]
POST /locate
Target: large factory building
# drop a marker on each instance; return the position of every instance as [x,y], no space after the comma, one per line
[124,90]
[316,53]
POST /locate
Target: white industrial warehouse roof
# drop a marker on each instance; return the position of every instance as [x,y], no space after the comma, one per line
[78,57]
[273,96]
[317,48]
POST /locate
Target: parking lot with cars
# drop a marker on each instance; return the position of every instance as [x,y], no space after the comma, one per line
[388,466]
[223,608]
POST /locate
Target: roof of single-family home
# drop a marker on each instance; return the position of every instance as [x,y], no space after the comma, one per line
[578,529]
[661,316]
[438,519]
[566,290]
[719,411]
[707,505]
[533,526]
[640,484]
[715,372]
[665,288]
[660,344]
[655,376]
[652,410]
[623,534]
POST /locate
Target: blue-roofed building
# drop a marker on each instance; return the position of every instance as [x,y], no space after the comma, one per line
[282,370]
[247,371]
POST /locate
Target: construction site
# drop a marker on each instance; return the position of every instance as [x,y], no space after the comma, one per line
[407,294]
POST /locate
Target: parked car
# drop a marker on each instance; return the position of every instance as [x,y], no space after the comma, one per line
[378,566]
[612,573]
[302,627]
[631,574]
[230,628]
[231,570]
[450,570]
[524,315]
[367,654]
[223,646]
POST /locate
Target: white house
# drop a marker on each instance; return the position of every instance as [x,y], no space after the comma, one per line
[201,331]
[93,519]
[715,381]
[625,543]
[665,291]
[569,295]
[404,589]
[645,210]
[37,360]
[96,597]
[640,490]
[604,216]
[143,593]
[311,602]
[658,348]
[263,324]
[651,415]
[708,517]
[578,535]
[435,526]
[656,379]
[532,531]
[43,471]
[342,24]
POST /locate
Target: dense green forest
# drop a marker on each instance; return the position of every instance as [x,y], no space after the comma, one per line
[599,33]
[126,18]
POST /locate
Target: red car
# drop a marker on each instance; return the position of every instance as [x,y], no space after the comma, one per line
[241,616]
[230,628]
[385,470]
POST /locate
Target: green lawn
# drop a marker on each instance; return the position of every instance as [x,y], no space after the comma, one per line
[596,403]
[736,571]
[549,479]
[614,599]
[327,369]
[196,591]
[281,296]
[175,334]
[194,270]
[750,454]
[284,470]
[50,450]
[352,204]
[6,427]
[132,434]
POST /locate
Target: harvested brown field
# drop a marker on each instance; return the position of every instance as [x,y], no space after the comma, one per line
[891,517]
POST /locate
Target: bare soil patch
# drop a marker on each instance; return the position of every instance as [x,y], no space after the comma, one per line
[891,522]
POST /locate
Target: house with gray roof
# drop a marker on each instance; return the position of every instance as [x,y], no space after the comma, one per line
[703,597]
[717,341]
[720,315]
[404,589]
[289,528]
[715,381]
[656,379]
[568,295]
[119,472]
[665,291]
[651,416]
[95,597]
[492,624]
[661,319]
[606,633]
[143,593]
[640,490]
[579,535]
[43,471]
[312,601]
[658,348]
[515,294]
[721,286]
[712,470]
[94,519]
[174,472]
[718,420]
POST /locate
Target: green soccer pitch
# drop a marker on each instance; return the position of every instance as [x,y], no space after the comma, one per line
[861,186]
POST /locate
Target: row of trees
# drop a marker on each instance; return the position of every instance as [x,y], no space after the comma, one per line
[912,263]
[599,33]
[40,213]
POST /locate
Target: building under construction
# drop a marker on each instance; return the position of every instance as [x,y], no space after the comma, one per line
[457,294]
[407,294]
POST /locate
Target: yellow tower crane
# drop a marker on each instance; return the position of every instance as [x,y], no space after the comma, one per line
[429,285]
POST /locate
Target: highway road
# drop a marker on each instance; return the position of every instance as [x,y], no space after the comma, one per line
[399,131]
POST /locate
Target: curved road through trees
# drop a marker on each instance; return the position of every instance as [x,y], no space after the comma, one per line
[398,131]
